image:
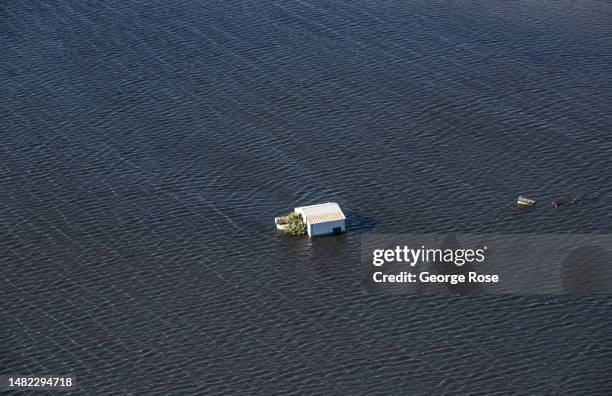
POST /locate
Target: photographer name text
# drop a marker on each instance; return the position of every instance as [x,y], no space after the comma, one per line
[413,257]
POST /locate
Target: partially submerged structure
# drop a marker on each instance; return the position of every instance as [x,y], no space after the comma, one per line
[321,219]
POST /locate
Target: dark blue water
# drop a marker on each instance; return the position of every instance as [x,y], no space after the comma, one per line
[145,147]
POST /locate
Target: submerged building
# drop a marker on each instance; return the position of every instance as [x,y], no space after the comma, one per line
[323,219]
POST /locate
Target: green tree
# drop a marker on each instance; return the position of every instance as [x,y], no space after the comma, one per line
[295,224]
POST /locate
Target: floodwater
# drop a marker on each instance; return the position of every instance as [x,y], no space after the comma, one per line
[146,146]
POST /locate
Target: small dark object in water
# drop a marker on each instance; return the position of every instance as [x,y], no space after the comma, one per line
[557,204]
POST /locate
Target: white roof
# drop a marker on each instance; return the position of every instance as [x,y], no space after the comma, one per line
[321,213]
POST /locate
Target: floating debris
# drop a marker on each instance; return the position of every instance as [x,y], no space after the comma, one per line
[522,201]
[281,222]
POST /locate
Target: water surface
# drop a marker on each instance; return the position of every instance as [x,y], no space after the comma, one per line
[145,147]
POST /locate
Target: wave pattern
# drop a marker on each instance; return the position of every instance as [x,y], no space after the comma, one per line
[145,147]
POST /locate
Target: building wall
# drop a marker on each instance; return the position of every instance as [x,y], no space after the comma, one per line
[325,228]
